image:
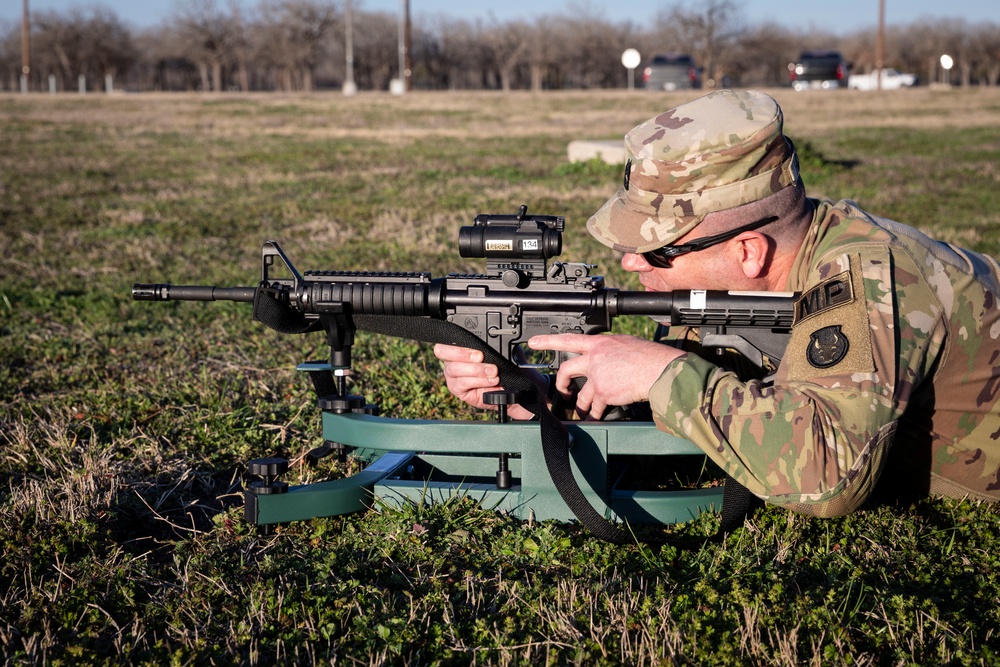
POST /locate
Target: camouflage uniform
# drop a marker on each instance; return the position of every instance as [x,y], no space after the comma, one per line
[892,368]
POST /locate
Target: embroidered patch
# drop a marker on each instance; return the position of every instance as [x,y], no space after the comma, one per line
[827,347]
[813,351]
[836,291]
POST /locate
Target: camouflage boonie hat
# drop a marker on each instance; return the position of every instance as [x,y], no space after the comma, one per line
[717,152]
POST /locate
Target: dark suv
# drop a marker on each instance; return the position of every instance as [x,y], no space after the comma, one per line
[671,71]
[819,69]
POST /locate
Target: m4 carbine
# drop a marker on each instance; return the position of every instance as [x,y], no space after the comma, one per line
[519,296]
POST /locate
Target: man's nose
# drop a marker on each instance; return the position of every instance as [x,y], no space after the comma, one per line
[634,262]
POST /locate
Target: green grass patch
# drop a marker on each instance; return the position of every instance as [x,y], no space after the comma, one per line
[125,427]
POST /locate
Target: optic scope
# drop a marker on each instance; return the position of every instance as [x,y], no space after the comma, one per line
[512,237]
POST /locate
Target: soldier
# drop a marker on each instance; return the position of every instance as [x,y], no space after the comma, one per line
[892,367]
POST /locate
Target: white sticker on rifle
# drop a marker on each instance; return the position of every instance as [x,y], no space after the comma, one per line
[698,298]
[500,245]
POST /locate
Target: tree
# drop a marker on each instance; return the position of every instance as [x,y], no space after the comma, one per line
[709,32]
[295,35]
[375,51]
[206,36]
[91,43]
[442,52]
[506,46]
[762,55]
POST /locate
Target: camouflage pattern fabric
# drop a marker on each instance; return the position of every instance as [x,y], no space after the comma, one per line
[715,153]
[893,368]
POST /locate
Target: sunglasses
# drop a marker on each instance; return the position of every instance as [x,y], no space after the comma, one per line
[661,257]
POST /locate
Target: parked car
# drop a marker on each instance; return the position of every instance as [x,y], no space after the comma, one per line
[818,69]
[891,80]
[671,71]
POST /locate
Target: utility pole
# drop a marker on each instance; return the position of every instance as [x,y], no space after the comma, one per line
[408,72]
[880,44]
[404,46]
[25,48]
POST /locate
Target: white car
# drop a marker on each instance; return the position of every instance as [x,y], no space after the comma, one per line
[891,80]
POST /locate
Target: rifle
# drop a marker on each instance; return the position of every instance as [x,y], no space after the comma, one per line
[519,296]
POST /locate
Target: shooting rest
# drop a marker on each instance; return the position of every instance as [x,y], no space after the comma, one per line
[498,464]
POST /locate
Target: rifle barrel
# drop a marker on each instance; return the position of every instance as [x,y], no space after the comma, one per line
[163,292]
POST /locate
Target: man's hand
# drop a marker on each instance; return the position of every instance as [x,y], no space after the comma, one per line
[468,378]
[620,370]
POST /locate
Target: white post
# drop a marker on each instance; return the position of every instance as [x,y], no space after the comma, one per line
[398,87]
[631,60]
[350,88]
[947,62]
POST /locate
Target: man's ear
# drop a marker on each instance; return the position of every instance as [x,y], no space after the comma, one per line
[755,251]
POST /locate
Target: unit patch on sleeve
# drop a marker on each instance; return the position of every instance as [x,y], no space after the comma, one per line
[831,333]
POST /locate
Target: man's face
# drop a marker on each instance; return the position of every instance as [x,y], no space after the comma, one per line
[694,271]
[714,267]
[700,261]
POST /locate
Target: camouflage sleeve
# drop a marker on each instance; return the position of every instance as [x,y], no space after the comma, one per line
[815,440]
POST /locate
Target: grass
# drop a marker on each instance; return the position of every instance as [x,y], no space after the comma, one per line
[125,427]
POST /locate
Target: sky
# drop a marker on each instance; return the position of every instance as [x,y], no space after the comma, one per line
[840,17]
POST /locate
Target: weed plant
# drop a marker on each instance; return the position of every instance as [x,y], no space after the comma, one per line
[125,427]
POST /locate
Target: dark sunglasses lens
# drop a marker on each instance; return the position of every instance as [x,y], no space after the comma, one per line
[653,258]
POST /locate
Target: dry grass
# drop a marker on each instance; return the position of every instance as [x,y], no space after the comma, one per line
[471,115]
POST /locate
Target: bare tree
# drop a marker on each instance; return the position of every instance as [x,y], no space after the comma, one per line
[10,55]
[925,41]
[989,42]
[375,52]
[296,35]
[205,31]
[590,48]
[240,42]
[442,51]
[709,32]
[92,43]
[506,46]
[761,57]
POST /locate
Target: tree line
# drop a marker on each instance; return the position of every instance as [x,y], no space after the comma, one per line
[302,45]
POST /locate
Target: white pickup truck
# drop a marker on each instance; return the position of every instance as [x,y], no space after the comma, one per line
[891,80]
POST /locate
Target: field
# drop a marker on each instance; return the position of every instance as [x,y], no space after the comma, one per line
[125,427]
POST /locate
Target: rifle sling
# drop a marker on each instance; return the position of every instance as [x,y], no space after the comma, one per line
[737,500]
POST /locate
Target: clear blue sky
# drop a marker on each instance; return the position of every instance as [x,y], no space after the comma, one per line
[839,16]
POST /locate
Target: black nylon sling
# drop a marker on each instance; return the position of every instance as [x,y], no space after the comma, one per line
[737,501]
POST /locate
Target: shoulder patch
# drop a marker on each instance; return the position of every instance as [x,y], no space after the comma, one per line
[831,334]
[827,346]
[836,291]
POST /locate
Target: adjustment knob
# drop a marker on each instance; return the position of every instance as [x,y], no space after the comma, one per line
[269,467]
[339,404]
[499,397]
